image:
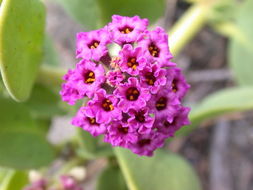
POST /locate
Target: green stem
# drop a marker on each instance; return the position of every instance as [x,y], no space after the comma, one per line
[50,76]
[188,26]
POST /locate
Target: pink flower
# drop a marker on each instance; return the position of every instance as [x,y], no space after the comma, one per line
[147,143]
[164,104]
[120,134]
[177,82]
[131,60]
[92,45]
[179,120]
[132,95]
[126,29]
[105,107]
[87,120]
[115,77]
[153,77]
[155,44]
[88,78]
[141,119]
[70,94]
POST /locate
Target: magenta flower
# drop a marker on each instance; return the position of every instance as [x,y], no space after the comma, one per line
[69,183]
[131,60]
[88,77]
[121,134]
[177,82]
[141,119]
[153,77]
[164,104]
[92,45]
[115,77]
[179,120]
[155,43]
[69,93]
[127,29]
[105,107]
[86,119]
[147,143]
[132,95]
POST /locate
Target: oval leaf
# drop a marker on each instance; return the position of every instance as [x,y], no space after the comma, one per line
[14,180]
[222,102]
[163,171]
[23,144]
[111,178]
[240,55]
[21,42]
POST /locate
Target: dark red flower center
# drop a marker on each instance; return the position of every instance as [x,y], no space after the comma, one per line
[150,78]
[89,77]
[153,50]
[144,142]
[132,93]
[139,116]
[126,30]
[132,63]
[174,85]
[107,105]
[168,124]
[92,121]
[161,103]
[94,44]
[123,130]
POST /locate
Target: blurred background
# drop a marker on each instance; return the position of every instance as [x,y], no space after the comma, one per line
[220,150]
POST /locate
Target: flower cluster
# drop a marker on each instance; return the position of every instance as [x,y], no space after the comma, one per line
[134,97]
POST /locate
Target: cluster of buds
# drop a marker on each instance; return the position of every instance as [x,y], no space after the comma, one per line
[134,97]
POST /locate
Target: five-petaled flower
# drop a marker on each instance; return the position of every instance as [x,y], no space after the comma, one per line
[134,96]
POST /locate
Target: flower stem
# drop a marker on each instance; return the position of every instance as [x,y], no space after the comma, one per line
[188,26]
[50,76]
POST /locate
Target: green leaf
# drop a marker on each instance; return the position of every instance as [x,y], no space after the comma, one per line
[44,103]
[163,171]
[21,41]
[14,180]
[151,9]
[23,144]
[111,178]
[240,55]
[225,101]
[83,11]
